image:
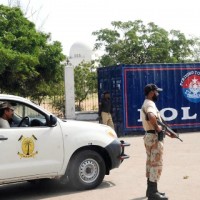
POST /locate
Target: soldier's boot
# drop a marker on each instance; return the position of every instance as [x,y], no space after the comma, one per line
[153,194]
[147,191]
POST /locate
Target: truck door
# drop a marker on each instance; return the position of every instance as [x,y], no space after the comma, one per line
[30,150]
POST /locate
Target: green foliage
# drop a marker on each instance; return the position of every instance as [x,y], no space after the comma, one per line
[136,43]
[85,79]
[196,49]
[30,64]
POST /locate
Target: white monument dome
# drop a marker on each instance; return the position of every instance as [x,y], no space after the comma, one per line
[80,52]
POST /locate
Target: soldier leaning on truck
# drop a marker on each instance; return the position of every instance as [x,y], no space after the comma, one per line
[105,110]
[153,141]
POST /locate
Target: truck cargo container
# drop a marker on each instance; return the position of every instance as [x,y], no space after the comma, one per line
[179,103]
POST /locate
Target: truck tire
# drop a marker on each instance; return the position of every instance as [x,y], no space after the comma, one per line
[87,170]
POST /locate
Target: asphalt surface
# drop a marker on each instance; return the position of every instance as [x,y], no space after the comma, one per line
[180,179]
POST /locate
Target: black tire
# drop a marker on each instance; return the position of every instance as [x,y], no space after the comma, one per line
[87,170]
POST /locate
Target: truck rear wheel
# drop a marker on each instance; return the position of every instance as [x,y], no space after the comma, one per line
[87,170]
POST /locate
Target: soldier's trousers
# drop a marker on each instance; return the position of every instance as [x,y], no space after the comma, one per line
[154,151]
[107,119]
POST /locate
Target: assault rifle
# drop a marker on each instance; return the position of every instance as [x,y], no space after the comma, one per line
[166,128]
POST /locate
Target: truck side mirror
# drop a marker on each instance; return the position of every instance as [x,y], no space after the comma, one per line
[52,121]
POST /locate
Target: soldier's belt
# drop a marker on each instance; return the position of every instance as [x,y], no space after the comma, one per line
[151,131]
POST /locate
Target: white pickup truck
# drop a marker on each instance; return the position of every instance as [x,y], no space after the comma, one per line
[40,146]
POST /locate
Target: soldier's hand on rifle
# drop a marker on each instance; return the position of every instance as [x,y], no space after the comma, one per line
[170,135]
[159,128]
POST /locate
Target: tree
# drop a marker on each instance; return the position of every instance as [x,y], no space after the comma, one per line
[30,63]
[196,49]
[85,79]
[134,43]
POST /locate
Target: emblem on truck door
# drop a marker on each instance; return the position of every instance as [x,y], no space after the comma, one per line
[28,146]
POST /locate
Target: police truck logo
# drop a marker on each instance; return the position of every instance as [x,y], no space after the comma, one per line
[191,86]
[28,146]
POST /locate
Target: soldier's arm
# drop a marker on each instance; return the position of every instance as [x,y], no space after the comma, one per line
[153,120]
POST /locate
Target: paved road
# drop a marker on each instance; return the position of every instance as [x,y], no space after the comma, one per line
[180,179]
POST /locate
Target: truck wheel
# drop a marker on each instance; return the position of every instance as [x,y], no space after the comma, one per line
[87,170]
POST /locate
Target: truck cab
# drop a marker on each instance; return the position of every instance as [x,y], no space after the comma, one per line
[38,146]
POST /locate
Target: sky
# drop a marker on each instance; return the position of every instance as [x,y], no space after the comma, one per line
[75,20]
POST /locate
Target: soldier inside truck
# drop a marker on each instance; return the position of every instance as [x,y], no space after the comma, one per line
[15,114]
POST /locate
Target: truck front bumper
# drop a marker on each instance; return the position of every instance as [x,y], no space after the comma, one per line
[116,151]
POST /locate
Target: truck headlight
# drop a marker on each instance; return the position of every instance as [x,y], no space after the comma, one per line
[111,133]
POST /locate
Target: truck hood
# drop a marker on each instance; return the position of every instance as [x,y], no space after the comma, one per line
[90,128]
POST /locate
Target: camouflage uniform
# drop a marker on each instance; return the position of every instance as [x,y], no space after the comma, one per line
[154,151]
[154,148]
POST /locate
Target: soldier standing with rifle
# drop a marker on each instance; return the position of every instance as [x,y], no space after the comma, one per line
[153,141]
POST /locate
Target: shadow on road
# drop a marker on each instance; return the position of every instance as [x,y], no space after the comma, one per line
[26,190]
[139,198]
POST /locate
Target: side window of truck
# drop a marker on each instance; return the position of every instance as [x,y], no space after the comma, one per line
[25,116]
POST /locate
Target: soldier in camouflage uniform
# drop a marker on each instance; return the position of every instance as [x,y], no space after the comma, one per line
[153,141]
